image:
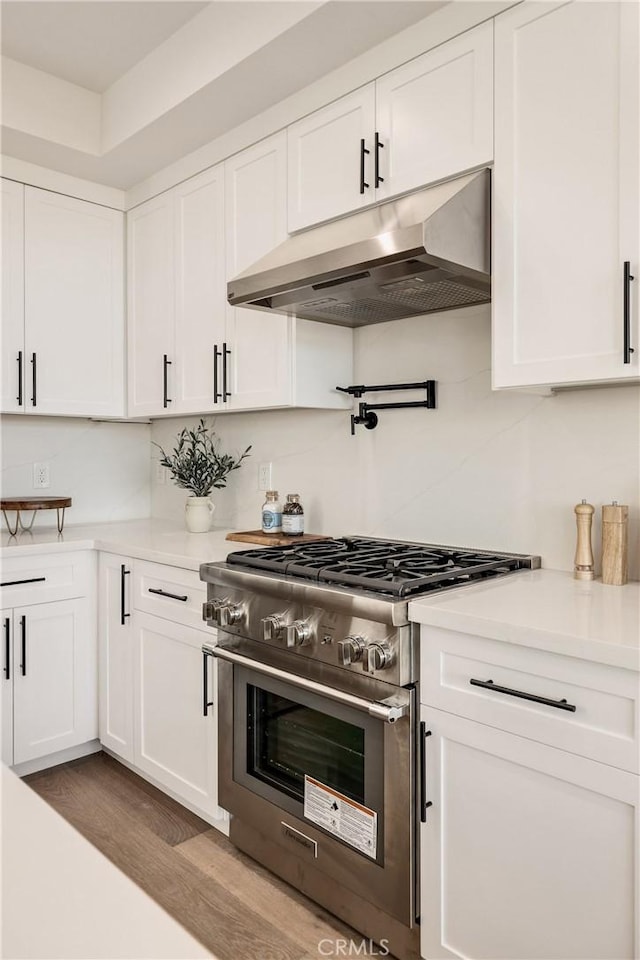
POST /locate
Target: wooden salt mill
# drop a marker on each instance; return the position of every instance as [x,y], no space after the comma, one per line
[583,564]
[614,543]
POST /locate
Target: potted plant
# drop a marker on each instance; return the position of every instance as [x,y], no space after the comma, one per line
[197,464]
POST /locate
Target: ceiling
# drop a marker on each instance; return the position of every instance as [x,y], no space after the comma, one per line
[91,44]
[149,82]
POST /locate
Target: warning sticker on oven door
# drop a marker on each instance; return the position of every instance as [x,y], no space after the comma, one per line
[341,816]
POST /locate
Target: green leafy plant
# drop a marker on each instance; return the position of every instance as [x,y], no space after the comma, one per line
[196,463]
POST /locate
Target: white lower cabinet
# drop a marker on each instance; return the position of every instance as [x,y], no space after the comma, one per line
[115,663]
[48,680]
[175,738]
[527,851]
[152,712]
[49,656]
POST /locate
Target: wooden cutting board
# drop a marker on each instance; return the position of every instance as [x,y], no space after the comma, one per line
[273,539]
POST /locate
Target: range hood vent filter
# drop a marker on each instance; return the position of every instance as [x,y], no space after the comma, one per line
[424,253]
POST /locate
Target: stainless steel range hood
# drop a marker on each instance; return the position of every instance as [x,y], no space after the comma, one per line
[423,253]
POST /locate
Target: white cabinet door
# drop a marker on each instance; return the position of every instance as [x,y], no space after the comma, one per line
[151,299]
[201,303]
[6,690]
[325,156]
[55,678]
[566,192]
[527,852]
[435,114]
[175,739]
[74,306]
[259,364]
[12,331]
[115,654]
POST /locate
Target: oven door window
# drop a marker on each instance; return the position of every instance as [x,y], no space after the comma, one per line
[283,733]
[287,740]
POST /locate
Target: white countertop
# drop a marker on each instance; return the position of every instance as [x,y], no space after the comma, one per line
[163,541]
[63,898]
[546,609]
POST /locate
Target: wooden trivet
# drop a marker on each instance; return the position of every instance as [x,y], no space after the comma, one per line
[274,539]
[32,503]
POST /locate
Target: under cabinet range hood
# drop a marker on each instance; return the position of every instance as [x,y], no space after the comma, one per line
[423,253]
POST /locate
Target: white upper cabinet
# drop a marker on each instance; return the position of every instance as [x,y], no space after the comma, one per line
[201,304]
[566,202]
[258,366]
[428,120]
[190,352]
[434,115]
[74,306]
[12,209]
[151,299]
[331,160]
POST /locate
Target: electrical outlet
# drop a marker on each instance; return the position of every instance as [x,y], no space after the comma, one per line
[41,475]
[264,476]
[161,472]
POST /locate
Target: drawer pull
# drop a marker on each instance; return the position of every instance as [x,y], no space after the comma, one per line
[490,685]
[15,583]
[164,593]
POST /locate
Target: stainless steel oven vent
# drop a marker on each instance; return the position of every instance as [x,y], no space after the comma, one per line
[422,253]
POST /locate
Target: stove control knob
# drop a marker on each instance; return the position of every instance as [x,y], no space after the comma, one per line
[272,627]
[298,633]
[228,614]
[350,649]
[377,656]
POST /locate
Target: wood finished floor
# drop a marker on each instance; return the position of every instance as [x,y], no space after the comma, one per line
[228,902]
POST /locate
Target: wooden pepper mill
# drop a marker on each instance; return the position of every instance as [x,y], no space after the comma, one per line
[583,563]
[614,543]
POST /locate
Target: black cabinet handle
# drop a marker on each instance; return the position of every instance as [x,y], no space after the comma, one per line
[376,161]
[123,573]
[19,398]
[490,685]
[216,356]
[363,153]
[626,311]
[172,596]
[225,353]
[7,648]
[166,363]
[23,630]
[424,803]
[34,379]
[16,583]
[206,703]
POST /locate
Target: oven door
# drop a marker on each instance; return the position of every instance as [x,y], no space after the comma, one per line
[324,772]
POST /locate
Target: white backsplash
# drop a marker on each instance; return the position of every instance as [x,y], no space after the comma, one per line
[103,466]
[499,470]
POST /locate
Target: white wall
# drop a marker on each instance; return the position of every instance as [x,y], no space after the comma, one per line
[486,469]
[104,467]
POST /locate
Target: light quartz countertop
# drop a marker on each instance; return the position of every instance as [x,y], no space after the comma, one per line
[162,541]
[546,609]
[63,898]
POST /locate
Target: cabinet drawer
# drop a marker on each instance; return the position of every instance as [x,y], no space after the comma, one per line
[169,592]
[29,580]
[603,726]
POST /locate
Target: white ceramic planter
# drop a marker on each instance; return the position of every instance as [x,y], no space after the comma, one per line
[198,512]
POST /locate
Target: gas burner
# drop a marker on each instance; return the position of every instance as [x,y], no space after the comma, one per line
[389,568]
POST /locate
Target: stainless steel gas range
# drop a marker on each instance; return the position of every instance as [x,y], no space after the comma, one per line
[317,677]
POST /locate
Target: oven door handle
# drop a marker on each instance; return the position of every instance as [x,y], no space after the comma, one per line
[388,710]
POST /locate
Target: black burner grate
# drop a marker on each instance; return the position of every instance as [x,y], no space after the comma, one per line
[385,567]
